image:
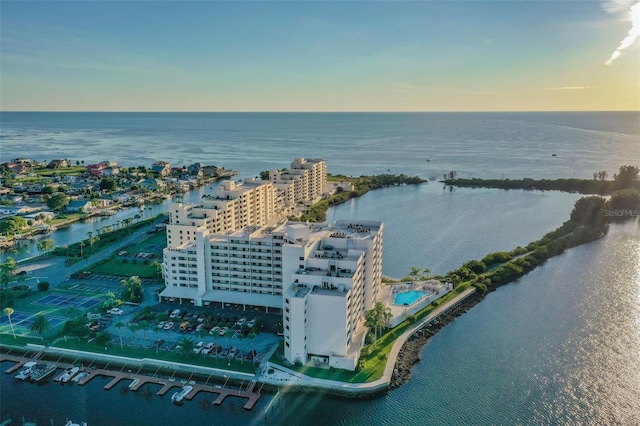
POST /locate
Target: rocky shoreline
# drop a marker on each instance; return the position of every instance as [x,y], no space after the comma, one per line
[409,354]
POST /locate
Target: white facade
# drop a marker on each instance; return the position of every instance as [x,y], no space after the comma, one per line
[306,180]
[335,280]
[323,277]
[231,208]
[243,267]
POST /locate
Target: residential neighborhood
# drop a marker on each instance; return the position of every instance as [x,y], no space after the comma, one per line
[41,192]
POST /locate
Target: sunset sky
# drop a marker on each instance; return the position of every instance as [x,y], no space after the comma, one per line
[320,56]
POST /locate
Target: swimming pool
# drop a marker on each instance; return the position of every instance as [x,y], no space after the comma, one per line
[408,297]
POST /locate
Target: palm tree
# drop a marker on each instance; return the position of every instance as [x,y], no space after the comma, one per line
[119,326]
[158,267]
[133,327]
[186,346]
[8,311]
[40,325]
[144,326]
[82,244]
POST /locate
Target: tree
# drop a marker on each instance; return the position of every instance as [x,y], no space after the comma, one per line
[43,285]
[39,325]
[589,211]
[144,326]
[186,346]
[6,271]
[12,225]
[158,267]
[626,176]
[92,241]
[476,266]
[82,244]
[8,312]
[58,201]
[108,184]
[119,326]
[46,245]
[132,289]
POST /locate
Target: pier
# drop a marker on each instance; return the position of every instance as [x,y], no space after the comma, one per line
[139,380]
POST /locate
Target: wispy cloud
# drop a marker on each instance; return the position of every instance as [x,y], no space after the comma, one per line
[458,91]
[629,12]
[553,89]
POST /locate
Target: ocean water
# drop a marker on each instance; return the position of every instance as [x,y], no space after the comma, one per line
[488,145]
[559,346]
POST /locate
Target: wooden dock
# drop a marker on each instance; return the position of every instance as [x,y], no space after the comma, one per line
[141,380]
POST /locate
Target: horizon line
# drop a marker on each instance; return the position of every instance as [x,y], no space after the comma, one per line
[307,112]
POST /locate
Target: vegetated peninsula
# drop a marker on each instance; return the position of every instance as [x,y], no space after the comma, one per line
[589,221]
[598,185]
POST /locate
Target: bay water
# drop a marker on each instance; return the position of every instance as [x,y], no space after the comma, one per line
[559,346]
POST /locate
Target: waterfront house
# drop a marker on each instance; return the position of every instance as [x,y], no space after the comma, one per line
[152,184]
[57,164]
[161,168]
[84,206]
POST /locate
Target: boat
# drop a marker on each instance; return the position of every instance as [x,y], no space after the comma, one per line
[179,396]
[26,370]
[67,375]
[41,371]
[70,423]
[133,383]
[80,376]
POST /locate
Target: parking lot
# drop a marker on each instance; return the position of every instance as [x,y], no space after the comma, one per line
[219,333]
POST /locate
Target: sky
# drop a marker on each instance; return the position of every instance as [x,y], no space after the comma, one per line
[526,55]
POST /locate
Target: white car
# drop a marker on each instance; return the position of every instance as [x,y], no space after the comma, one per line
[115,311]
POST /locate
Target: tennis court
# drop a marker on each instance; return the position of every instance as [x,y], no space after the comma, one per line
[67,301]
[25,319]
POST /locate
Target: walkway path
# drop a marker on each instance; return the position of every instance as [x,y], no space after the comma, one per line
[284,376]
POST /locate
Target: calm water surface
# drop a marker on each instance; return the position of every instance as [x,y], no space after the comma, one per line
[559,346]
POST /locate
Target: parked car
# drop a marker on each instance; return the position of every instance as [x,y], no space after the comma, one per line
[222,331]
[208,347]
[241,321]
[199,327]
[198,347]
[214,329]
[184,326]
[168,325]
[115,311]
[175,314]
[233,352]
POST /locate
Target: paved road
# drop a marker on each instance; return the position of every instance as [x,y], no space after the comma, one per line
[53,269]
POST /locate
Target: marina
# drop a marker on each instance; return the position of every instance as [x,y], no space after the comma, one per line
[188,391]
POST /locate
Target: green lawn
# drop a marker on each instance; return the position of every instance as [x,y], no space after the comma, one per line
[156,239]
[139,353]
[118,267]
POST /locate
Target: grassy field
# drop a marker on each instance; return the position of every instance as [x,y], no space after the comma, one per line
[130,266]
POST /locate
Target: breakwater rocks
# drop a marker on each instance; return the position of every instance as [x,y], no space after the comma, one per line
[410,352]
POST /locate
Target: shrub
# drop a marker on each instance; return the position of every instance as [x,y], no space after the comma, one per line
[102,338]
[43,285]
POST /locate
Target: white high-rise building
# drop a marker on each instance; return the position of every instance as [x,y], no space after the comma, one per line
[232,207]
[323,277]
[331,278]
[306,180]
